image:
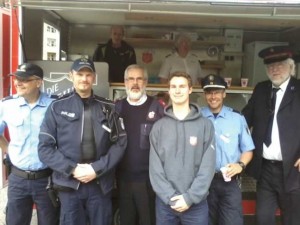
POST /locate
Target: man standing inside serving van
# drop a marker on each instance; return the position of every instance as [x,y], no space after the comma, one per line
[117,53]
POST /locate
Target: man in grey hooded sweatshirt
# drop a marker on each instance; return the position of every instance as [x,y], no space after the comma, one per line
[182,158]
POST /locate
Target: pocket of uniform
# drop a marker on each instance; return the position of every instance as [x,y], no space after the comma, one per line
[18,130]
[144,139]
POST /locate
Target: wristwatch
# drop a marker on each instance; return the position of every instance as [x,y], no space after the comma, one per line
[242,165]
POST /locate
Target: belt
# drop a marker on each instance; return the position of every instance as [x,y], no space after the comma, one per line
[31,175]
[274,162]
[218,175]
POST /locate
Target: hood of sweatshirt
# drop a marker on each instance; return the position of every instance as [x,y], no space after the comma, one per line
[193,114]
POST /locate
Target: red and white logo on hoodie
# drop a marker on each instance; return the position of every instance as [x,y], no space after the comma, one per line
[193,140]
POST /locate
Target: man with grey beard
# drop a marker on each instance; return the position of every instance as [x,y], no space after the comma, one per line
[139,111]
[273,114]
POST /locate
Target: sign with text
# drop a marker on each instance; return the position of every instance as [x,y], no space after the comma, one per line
[57,84]
[57,81]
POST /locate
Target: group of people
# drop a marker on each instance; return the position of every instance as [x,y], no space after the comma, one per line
[118,54]
[71,144]
[168,163]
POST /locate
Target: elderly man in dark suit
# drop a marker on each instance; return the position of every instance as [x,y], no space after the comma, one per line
[273,113]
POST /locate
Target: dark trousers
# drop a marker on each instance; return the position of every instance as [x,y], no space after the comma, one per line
[137,203]
[271,195]
[87,205]
[225,202]
[197,214]
[22,194]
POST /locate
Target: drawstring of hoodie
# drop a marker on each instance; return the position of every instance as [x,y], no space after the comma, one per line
[178,127]
[183,158]
[177,135]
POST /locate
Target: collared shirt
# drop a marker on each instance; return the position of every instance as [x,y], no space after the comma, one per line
[190,64]
[273,152]
[23,122]
[141,101]
[231,134]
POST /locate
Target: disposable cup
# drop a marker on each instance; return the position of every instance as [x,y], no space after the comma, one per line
[224,171]
[228,81]
[244,82]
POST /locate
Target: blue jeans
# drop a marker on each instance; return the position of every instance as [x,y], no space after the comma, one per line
[22,194]
[197,214]
[87,205]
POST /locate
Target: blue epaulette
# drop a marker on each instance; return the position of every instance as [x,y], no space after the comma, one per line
[9,97]
[236,111]
[54,96]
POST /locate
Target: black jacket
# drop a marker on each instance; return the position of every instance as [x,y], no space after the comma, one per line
[257,112]
[60,140]
[118,59]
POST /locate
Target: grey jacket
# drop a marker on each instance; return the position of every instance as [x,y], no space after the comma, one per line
[182,156]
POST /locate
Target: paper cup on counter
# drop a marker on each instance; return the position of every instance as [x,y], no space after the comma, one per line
[224,171]
[244,82]
[228,81]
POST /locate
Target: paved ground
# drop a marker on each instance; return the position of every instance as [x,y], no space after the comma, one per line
[3,200]
[247,184]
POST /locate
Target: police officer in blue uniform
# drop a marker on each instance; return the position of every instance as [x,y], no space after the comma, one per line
[23,114]
[234,147]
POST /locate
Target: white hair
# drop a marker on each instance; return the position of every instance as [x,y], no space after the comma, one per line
[136,66]
[182,37]
[291,62]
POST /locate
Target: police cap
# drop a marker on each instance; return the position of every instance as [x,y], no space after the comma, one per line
[275,54]
[81,63]
[213,81]
[26,70]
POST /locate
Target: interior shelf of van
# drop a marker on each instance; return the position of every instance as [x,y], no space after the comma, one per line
[165,43]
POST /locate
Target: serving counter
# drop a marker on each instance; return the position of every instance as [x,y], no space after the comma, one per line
[236,97]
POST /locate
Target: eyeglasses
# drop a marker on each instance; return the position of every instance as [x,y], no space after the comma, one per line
[22,80]
[132,79]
